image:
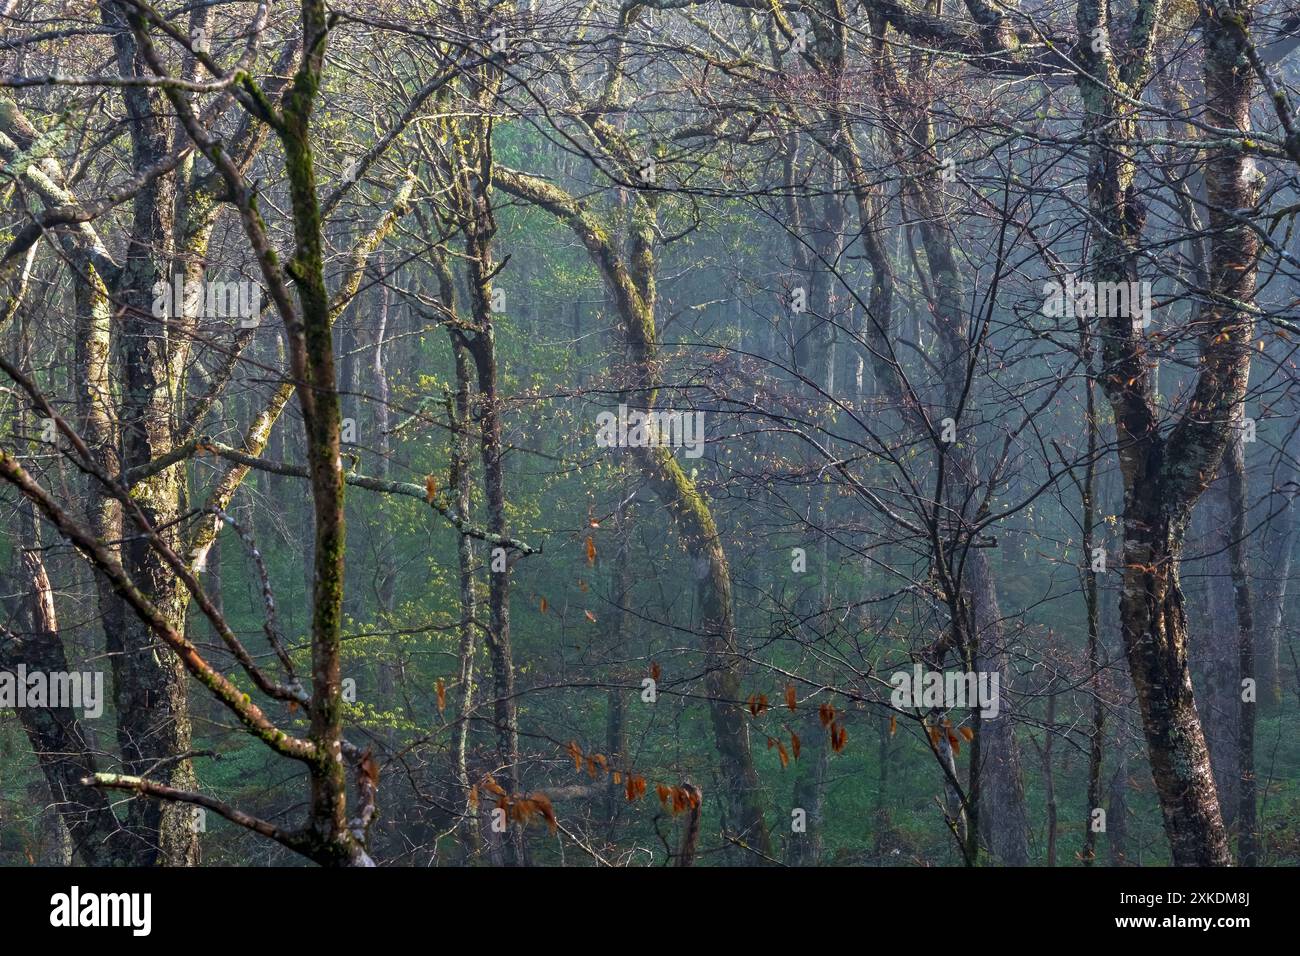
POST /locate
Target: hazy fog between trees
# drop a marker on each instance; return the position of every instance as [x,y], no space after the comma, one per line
[817,432]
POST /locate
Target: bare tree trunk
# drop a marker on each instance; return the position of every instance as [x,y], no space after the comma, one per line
[1097,735]
[1049,776]
[1275,574]
[884,753]
[479,226]
[805,849]
[1164,475]
[1117,810]
[615,709]
[461,480]
[387,571]
[1214,653]
[56,733]
[152,704]
[1234,466]
[94,334]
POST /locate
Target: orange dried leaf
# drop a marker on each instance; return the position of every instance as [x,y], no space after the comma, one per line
[893,724]
[576,753]
[441,690]
[547,811]
[783,754]
[430,488]
[791,697]
[826,714]
[967,734]
[796,744]
[543,605]
[591,617]
[681,800]
[591,550]
[839,737]
[523,810]
[370,767]
[656,671]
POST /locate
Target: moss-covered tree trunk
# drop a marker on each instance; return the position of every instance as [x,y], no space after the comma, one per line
[1165,474]
[153,722]
[630,283]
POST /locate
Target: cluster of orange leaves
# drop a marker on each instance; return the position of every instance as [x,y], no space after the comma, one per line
[634,785]
[523,810]
[795,745]
[937,734]
[839,733]
[677,799]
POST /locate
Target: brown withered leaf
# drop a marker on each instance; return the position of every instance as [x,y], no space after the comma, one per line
[826,714]
[635,787]
[839,737]
[547,810]
[370,767]
[576,753]
[681,800]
